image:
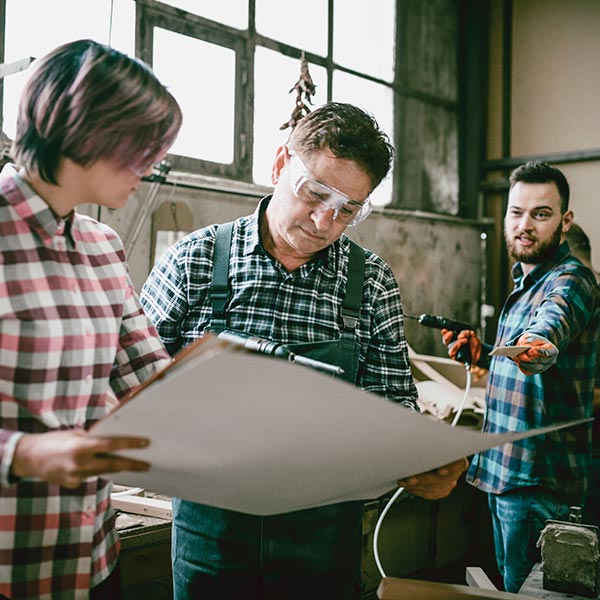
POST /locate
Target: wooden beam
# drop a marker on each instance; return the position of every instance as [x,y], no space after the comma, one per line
[476,577]
[138,505]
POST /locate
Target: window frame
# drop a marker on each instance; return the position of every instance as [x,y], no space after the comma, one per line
[152,14]
[243,42]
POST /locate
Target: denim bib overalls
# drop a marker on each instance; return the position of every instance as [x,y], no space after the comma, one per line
[310,554]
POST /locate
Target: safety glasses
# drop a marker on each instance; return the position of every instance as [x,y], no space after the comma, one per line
[321,197]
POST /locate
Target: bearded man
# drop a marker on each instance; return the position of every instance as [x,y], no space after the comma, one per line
[553,313]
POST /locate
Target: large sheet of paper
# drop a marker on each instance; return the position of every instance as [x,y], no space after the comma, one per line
[256,434]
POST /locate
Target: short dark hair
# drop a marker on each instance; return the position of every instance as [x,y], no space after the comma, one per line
[350,133]
[537,171]
[86,101]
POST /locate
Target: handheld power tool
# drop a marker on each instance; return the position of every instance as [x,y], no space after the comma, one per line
[264,346]
[437,322]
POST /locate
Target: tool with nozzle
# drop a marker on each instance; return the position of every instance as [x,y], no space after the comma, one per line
[263,346]
[438,322]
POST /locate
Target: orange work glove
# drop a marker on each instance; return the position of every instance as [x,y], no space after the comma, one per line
[541,354]
[466,339]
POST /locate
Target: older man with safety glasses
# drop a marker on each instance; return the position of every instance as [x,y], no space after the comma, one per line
[289,274]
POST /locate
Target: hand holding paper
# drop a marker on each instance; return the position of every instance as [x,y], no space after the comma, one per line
[279,437]
[437,484]
[539,356]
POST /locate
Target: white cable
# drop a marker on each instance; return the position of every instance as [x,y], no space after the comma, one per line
[128,492]
[378,527]
[465,396]
[399,491]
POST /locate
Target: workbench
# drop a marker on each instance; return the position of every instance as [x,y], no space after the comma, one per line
[533,587]
[145,557]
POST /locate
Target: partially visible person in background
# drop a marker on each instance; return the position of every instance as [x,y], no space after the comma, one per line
[581,248]
[579,242]
[91,122]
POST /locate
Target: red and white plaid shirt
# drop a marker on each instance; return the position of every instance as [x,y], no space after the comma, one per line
[71,327]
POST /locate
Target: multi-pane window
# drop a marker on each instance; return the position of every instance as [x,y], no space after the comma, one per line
[232,64]
[34,27]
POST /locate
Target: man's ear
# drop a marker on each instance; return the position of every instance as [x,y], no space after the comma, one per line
[281,157]
[567,221]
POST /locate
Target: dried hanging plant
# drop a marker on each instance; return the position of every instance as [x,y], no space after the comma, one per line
[305,90]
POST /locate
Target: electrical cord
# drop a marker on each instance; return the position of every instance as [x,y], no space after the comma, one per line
[127,492]
[400,490]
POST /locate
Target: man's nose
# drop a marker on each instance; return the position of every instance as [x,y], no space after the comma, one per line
[323,217]
[525,222]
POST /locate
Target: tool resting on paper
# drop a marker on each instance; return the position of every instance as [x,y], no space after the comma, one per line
[264,346]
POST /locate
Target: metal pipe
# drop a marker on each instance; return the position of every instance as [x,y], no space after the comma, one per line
[157,178]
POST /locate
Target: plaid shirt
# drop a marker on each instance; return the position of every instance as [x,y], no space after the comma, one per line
[557,301]
[268,301]
[70,327]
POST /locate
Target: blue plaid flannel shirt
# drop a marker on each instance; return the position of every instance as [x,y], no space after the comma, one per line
[558,301]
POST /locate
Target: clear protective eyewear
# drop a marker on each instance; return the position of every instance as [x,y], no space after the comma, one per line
[324,197]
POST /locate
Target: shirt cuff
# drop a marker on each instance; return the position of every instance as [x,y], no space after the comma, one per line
[8,454]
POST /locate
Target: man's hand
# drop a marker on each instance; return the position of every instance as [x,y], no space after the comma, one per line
[66,458]
[437,484]
[541,354]
[464,337]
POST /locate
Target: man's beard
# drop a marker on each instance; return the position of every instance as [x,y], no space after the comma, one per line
[539,252]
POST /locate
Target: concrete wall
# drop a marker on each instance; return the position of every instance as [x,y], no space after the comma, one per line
[555,84]
[555,90]
[437,260]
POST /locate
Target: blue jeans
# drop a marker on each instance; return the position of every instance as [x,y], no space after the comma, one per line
[518,518]
[220,554]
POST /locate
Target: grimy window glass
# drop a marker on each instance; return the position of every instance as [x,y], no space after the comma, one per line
[273,105]
[207,132]
[301,25]
[378,100]
[364,40]
[28,34]
[234,79]
[228,12]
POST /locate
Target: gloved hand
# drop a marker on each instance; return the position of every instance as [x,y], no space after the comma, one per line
[466,339]
[541,354]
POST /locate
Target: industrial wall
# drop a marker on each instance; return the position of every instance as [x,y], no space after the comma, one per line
[437,260]
[544,85]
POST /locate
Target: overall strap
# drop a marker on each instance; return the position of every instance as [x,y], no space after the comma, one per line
[354,287]
[349,348]
[219,289]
